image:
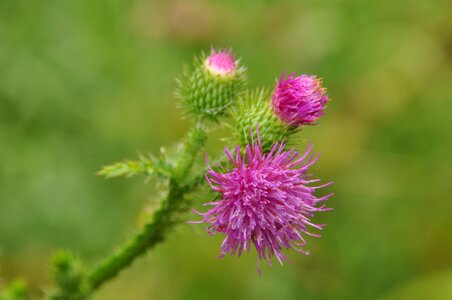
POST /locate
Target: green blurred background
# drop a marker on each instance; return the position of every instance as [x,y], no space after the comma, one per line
[88,82]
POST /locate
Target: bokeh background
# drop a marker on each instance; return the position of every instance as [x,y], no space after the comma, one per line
[88,82]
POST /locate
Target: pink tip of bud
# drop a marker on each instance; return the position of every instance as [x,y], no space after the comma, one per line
[299,100]
[221,62]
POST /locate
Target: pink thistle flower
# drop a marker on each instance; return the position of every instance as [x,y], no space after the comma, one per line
[221,63]
[266,200]
[299,100]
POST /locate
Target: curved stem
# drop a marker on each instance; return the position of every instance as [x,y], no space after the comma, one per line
[151,234]
[155,229]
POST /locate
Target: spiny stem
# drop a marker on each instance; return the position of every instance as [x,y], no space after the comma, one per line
[151,234]
[155,229]
[196,139]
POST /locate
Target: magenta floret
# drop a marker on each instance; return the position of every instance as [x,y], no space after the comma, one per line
[299,100]
[266,200]
[221,62]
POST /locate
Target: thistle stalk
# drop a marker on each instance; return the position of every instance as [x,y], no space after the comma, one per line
[154,231]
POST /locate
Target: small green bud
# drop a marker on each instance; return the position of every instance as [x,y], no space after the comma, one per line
[254,116]
[67,271]
[17,290]
[210,88]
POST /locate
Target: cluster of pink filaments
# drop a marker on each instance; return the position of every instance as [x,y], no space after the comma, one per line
[265,200]
[299,100]
[221,62]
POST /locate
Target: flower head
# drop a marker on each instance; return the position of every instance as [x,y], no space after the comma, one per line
[221,63]
[299,100]
[210,88]
[266,200]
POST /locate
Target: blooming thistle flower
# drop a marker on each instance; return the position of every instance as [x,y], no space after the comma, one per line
[221,63]
[299,100]
[266,200]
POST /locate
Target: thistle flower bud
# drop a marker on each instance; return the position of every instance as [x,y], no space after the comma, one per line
[67,271]
[254,110]
[210,88]
[17,290]
[299,100]
[221,63]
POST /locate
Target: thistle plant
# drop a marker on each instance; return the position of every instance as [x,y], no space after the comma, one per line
[265,196]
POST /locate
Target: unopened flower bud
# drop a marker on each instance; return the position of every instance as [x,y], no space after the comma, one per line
[254,111]
[67,271]
[299,100]
[211,87]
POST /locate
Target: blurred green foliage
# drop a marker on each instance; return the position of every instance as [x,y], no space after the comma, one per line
[84,83]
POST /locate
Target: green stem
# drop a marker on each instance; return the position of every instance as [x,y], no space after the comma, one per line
[153,232]
[196,139]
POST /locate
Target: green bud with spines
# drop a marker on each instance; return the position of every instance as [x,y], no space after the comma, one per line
[68,273]
[254,116]
[17,290]
[211,86]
